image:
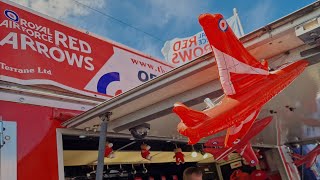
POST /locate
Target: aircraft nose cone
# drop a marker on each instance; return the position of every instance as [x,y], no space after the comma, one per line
[268,119]
[264,122]
[304,63]
[179,108]
[301,65]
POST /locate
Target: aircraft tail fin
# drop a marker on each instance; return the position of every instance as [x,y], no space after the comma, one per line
[298,159]
[310,163]
[231,56]
[298,162]
[249,155]
[189,116]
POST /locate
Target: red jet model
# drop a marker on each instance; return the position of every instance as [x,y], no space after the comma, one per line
[215,145]
[308,159]
[247,85]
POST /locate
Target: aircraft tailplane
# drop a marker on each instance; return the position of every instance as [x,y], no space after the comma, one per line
[189,116]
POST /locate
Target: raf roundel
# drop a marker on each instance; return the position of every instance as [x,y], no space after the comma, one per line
[11,15]
[223,25]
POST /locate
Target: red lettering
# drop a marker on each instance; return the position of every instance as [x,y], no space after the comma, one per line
[177,45]
[185,44]
[185,55]
[174,58]
[199,50]
[207,48]
[193,40]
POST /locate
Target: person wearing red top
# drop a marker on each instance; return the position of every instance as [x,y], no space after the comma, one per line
[259,175]
[192,173]
[239,175]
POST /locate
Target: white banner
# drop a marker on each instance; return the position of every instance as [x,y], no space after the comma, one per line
[180,51]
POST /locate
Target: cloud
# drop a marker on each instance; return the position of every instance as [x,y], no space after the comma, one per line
[62,8]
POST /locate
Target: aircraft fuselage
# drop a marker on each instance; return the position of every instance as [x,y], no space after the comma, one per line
[234,109]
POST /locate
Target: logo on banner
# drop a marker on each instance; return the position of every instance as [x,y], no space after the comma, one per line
[11,15]
[179,51]
[106,80]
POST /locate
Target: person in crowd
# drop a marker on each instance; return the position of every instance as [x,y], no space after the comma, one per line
[192,173]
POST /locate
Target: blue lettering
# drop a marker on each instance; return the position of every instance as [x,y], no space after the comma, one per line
[143,76]
[152,76]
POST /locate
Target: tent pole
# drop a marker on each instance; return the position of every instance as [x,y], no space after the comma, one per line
[235,13]
[102,144]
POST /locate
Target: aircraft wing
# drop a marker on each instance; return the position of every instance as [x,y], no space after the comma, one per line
[236,133]
[311,161]
[248,154]
[216,142]
[297,156]
[307,159]
[299,162]
[219,153]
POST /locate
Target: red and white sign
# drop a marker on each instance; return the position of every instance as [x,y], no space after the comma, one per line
[179,51]
[38,50]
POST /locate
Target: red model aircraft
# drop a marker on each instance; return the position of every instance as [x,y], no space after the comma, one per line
[309,159]
[247,85]
[215,146]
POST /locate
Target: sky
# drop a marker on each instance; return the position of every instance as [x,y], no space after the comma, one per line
[149,23]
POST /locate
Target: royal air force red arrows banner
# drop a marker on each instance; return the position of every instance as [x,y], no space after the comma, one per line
[180,51]
[38,50]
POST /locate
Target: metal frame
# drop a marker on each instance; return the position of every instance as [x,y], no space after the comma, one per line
[59,134]
[140,91]
[281,25]
[38,96]
[8,150]
[102,144]
[77,132]
[218,166]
